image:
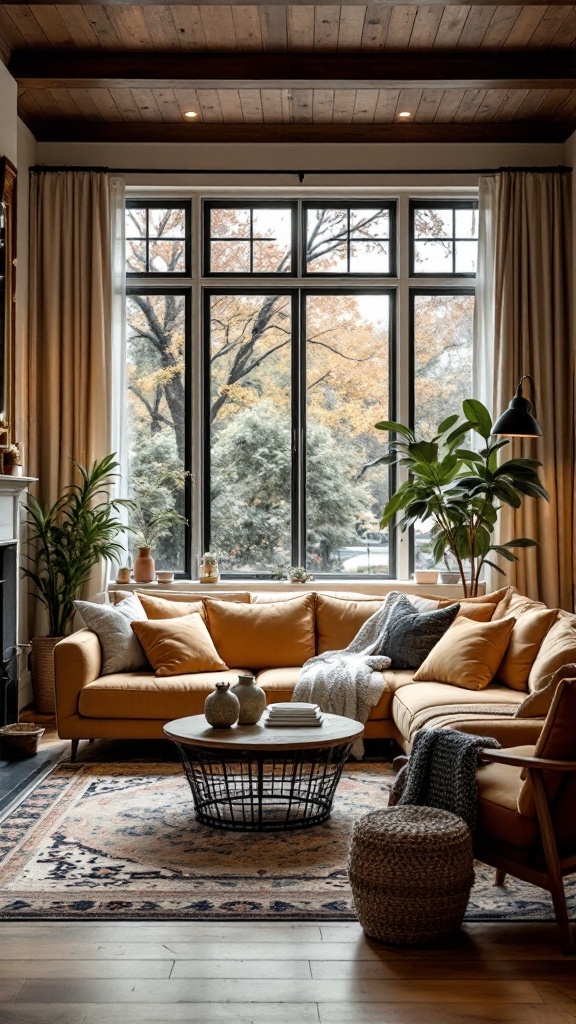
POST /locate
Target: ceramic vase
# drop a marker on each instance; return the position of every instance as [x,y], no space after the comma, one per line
[252,700]
[222,707]
[144,568]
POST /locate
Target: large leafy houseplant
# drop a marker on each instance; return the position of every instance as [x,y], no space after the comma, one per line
[68,538]
[460,489]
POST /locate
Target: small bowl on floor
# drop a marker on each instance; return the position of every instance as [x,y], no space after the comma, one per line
[20,740]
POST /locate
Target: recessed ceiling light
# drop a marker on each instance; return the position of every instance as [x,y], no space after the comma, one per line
[405,113]
[190,113]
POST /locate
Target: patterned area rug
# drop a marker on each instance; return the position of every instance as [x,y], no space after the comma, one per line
[111,841]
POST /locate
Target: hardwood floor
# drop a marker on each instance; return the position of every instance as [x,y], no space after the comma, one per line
[277,973]
[285,973]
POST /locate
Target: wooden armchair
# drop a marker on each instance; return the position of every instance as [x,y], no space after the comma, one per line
[527,808]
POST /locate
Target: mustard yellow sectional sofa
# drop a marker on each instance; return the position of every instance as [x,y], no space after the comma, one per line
[273,635]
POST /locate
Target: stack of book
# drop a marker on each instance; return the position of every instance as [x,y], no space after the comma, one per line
[295,713]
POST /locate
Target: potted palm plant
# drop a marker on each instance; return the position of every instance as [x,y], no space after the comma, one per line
[66,540]
[460,490]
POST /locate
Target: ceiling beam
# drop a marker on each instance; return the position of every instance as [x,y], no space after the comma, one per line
[292,3]
[99,131]
[72,69]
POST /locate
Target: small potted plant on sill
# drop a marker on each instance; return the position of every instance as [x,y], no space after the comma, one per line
[460,490]
[149,523]
[65,542]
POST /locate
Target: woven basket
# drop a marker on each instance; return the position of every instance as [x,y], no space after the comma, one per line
[42,665]
[20,740]
[411,871]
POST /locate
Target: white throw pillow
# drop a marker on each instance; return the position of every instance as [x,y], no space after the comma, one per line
[121,650]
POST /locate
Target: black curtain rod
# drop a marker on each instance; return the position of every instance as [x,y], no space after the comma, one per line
[39,168]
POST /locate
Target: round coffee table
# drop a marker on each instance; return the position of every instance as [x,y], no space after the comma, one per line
[258,779]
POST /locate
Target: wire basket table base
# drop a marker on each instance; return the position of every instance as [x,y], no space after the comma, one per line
[258,791]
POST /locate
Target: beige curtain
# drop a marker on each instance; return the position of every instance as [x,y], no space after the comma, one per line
[524,325]
[69,358]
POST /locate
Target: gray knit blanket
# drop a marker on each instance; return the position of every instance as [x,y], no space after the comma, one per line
[349,682]
[441,772]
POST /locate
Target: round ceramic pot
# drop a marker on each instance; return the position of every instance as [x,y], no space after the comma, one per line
[252,700]
[222,708]
[144,568]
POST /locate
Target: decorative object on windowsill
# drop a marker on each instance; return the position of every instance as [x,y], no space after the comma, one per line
[449,577]
[519,420]
[222,707]
[123,574]
[252,699]
[144,566]
[298,574]
[279,573]
[459,489]
[66,541]
[429,576]
[209,571]
[165,576]
[20,740]
[150,522]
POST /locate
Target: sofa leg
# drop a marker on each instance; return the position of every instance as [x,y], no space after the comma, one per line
[499,876]
[74,750]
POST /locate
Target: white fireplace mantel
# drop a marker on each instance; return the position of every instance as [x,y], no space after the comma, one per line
[11,488]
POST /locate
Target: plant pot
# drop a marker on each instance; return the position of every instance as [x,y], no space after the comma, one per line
[42,668]
[429,576]
[450,577]
[144,568]
[20,740]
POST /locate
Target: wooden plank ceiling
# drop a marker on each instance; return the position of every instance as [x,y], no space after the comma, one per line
[131,72]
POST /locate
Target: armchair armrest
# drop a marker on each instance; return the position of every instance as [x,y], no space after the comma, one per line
[519,761]
[77,661]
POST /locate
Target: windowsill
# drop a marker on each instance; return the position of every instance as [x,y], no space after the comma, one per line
[351,586]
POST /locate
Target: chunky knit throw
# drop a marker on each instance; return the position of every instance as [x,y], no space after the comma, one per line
[350,682]
[441,772]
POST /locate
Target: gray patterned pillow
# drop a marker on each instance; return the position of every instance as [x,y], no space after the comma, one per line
[410,635]
[121,650]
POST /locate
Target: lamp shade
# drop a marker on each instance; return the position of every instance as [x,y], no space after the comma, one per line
[518,420]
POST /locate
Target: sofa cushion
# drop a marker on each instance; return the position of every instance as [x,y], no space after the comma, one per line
[468,655]
[527,635]
[498,788]
[513,603]
[263,635]
[409,701]
[175,646]
[161,608]
[410,635]
[121,649]
[538,704]
[558,649]
[145,696]
[338,619]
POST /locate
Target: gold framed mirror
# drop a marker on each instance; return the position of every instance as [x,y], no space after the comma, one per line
[7,296]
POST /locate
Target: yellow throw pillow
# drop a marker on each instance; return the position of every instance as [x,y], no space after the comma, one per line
[514,604]
[263,635]
[558,649]
[176,646]
[480,612]
[468,655]
[339,619]
[529,631]
[161,608]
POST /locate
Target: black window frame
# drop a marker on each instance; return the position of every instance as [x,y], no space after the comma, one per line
[413,292]
[298,415]
[390,205]
[439,204]
[162,204]
[133,289]
[262,204]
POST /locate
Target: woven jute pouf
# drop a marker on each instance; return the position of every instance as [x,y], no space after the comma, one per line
[411,871]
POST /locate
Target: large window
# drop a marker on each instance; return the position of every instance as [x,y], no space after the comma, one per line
[303,334]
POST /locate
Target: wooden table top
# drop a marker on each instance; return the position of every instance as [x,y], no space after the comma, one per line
[196,732]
